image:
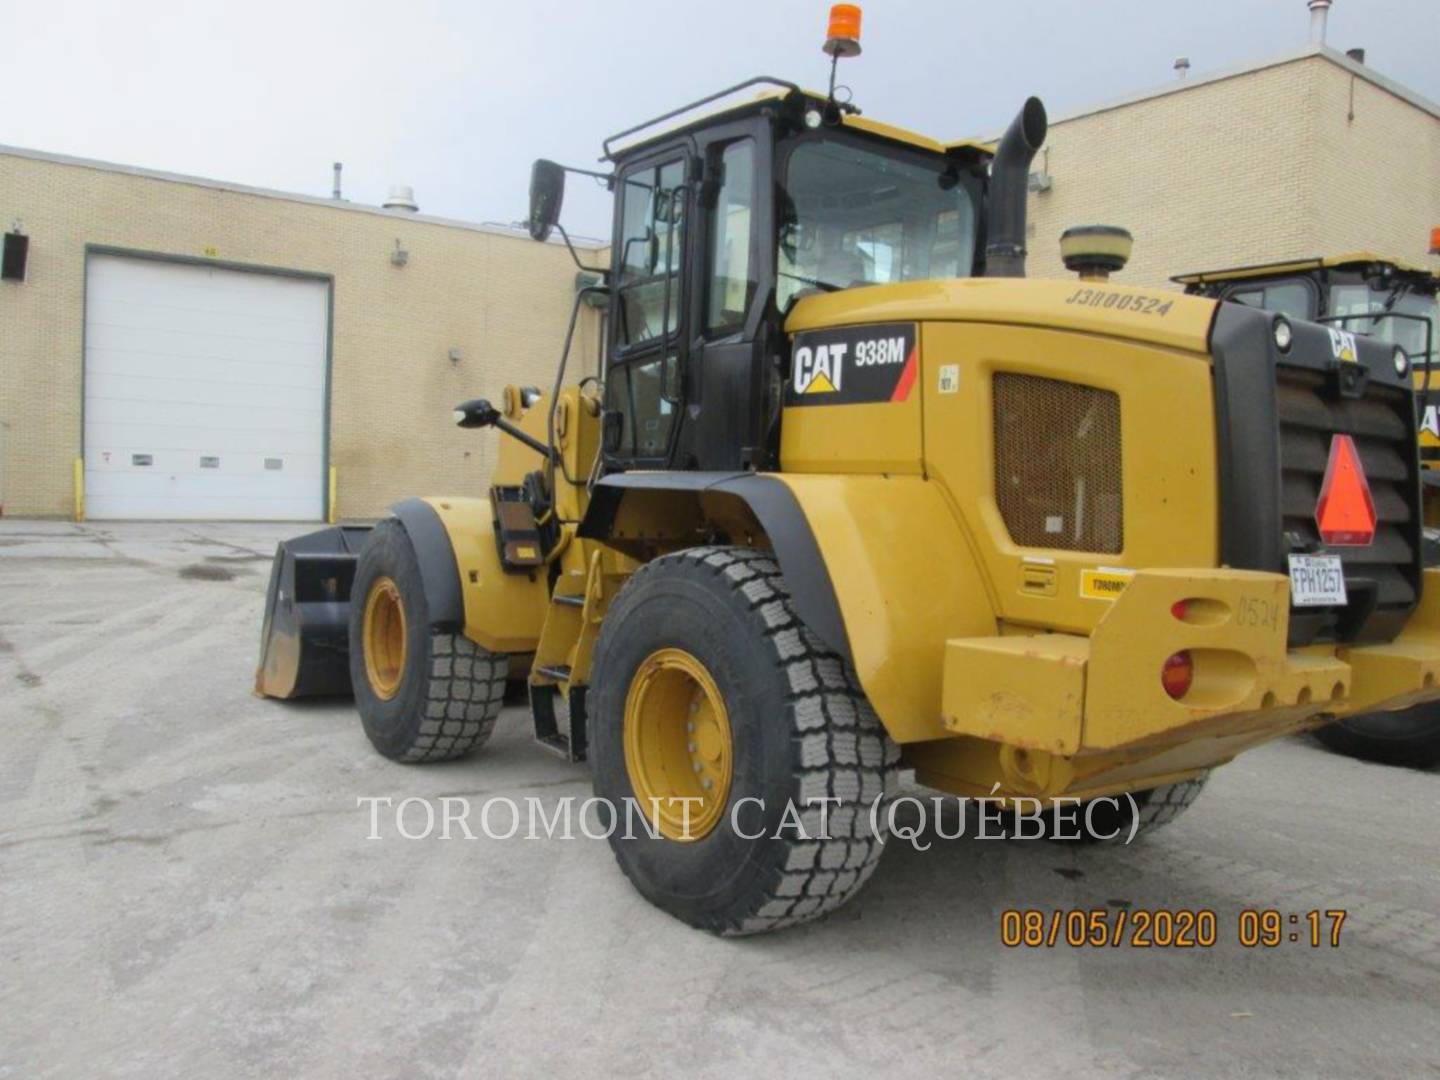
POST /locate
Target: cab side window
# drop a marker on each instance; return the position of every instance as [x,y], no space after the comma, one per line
[652,240]
[732,277]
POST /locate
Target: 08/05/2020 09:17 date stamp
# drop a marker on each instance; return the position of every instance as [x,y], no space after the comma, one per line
[1165,928]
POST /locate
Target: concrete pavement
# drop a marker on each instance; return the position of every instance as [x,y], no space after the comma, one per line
[186,889]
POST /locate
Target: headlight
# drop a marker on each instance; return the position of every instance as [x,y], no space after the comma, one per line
[1402,362]
[1284,334]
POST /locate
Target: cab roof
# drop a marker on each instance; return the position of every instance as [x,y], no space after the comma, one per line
[769,90]
[1348,260]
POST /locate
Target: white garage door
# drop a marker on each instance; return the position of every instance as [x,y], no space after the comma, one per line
[204,392]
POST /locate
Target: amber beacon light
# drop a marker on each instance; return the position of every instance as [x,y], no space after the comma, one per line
[842,37]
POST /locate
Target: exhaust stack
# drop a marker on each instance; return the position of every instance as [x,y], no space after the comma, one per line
[1319,18]
[1009,186]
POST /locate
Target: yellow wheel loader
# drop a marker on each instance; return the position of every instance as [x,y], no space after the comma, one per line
[1364,293]
[851,496]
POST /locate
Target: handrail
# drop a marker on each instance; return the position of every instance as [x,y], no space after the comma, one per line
[758,80]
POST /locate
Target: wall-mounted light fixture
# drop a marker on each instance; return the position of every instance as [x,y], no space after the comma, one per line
[1041,181]
[455,355]
[399,257]
[15,254]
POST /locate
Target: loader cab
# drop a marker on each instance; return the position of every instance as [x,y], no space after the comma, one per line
[1358,293]
[1361,293]
[723,223]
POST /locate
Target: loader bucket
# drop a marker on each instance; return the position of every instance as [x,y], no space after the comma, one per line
[304,643]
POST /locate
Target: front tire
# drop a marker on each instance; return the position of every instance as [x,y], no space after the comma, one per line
[709,687]
[423,694]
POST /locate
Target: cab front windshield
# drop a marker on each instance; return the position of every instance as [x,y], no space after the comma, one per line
[1402,304]
[851,215]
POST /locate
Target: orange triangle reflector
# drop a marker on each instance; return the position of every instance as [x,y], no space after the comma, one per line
[1345,513]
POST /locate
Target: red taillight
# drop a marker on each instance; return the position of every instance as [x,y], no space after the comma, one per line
[1178,609]
[1177,674]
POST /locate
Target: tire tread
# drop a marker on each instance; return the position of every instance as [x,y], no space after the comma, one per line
[839,749]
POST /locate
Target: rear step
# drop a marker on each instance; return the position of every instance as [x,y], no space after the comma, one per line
[574,600]
[556,672]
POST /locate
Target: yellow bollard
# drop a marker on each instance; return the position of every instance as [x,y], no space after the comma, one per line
[79,489]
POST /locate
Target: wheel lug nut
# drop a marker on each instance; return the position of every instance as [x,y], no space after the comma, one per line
[698,766]
[707,783]
[690,726]
[692,747]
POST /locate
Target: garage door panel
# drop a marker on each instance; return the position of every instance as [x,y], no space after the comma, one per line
[172,506]
[126,344]
[155,460]
[101,365]
[163,283]
[170,413]
[185,327]
[204,392]
[121,380]
[140,438]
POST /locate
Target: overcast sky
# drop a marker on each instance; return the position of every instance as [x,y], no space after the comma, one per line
[456,97]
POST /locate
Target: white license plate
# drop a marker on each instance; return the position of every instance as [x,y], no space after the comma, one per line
[1316,580]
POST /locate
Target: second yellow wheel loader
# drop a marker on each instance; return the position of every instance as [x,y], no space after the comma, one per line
[1364,293]
[851,495]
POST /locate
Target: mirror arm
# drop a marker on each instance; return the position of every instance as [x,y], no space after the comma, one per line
[529,440]
[552,451]
[602,271]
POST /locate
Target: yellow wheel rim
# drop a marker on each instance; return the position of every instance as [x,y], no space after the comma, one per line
[677,745]
[384,633]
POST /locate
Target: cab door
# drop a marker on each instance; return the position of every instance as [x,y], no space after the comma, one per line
[648,309]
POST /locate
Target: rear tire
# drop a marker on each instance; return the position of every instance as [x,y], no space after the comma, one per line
[423,694]
[1113,822]
[795,727]
[1410,737]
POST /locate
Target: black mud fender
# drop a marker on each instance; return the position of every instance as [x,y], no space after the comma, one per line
[439,571]
[779,514]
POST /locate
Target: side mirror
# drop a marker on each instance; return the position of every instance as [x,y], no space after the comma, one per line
[547,192]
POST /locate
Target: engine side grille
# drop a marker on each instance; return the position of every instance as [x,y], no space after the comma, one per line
[1058,479]
[1381,578]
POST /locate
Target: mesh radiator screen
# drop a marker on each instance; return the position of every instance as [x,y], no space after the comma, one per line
[1057,464]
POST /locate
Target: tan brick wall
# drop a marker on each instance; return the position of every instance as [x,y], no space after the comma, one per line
[1255,168]
[503,301]
[1378,174]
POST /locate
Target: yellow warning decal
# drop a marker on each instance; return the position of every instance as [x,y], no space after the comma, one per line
[1104,583]
[525,551]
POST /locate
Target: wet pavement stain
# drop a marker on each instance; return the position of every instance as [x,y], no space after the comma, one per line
[202,572]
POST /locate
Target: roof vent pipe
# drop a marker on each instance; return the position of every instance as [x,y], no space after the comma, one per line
[1182,66]
[402,197]
[1319,17]
[335,189]
[1009,188]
